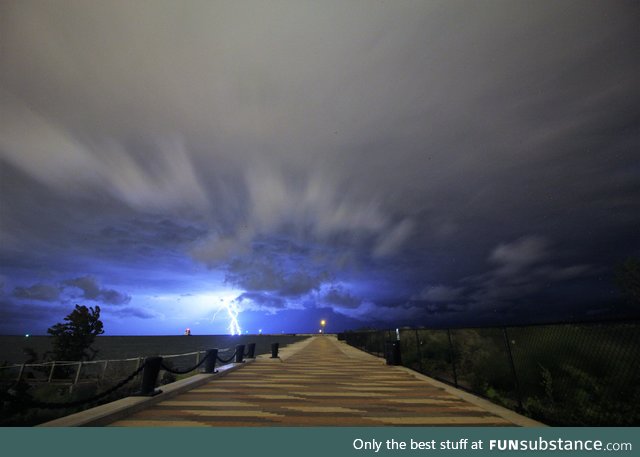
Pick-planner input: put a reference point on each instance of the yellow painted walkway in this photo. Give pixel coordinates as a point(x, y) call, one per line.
point(324, 383)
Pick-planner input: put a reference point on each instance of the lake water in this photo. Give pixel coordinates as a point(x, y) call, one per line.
point(121, 347)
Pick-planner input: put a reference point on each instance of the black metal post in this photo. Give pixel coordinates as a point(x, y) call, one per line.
point(251, 351)
point(452, 354)
point(239, 353)
point(274, 350)
point(392, 353)
point(513, 368)
point(150, 377)
point(210, 363)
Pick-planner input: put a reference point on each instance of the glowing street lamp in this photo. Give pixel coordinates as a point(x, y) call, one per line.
point(322, 324)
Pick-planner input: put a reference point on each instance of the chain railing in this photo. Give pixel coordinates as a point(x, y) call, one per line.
point(230, 358)
point(150, 368)
point(74, 372)
point(579, 374)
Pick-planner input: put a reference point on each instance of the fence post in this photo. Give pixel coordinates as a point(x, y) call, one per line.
point(104, 370)
point(239, 353)
point(53, 367)
point(452, 354)
point(419, 351)
point(210, 363)
point(251, 351)
point(20, 372)
point(149, 377)
point(393, 353)
point(513, 368)
point(197, 357)
point(274, 350)
point(77, 378)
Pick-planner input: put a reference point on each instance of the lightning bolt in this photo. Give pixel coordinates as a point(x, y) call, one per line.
point(231, 307)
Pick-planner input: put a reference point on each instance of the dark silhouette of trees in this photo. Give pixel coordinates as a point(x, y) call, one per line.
point(72, 339)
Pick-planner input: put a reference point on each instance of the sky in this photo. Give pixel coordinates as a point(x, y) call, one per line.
point(371, 163)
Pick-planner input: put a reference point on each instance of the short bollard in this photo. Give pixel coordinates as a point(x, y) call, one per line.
point(274, 350)
point(149, 377)
point(251, 351)
point(210, 363)
point(239, 353)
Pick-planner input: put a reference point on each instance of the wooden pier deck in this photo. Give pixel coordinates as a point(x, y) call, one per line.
point(324, 383)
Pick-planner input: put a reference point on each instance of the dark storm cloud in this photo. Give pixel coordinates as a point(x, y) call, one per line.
point(41, 292)
point(261, 301)
point(88, 286)
point(83, 288)
point(137, 240)
point(342, 298)
point(288, 274)
point(153, 232)
point(27, 317)
point(523, 268)
point(134, 312)
point(512, 257)
point(440, 293)
point(91, 290)
point(425, 156)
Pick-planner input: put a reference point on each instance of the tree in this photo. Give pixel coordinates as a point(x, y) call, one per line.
point(72, 339)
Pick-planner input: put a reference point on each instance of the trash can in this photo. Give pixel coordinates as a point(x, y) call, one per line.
point(392, 353)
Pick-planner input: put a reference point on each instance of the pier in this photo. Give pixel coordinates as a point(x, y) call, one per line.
point(322, 382)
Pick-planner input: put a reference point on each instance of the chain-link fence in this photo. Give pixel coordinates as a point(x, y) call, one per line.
point(562, 374)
